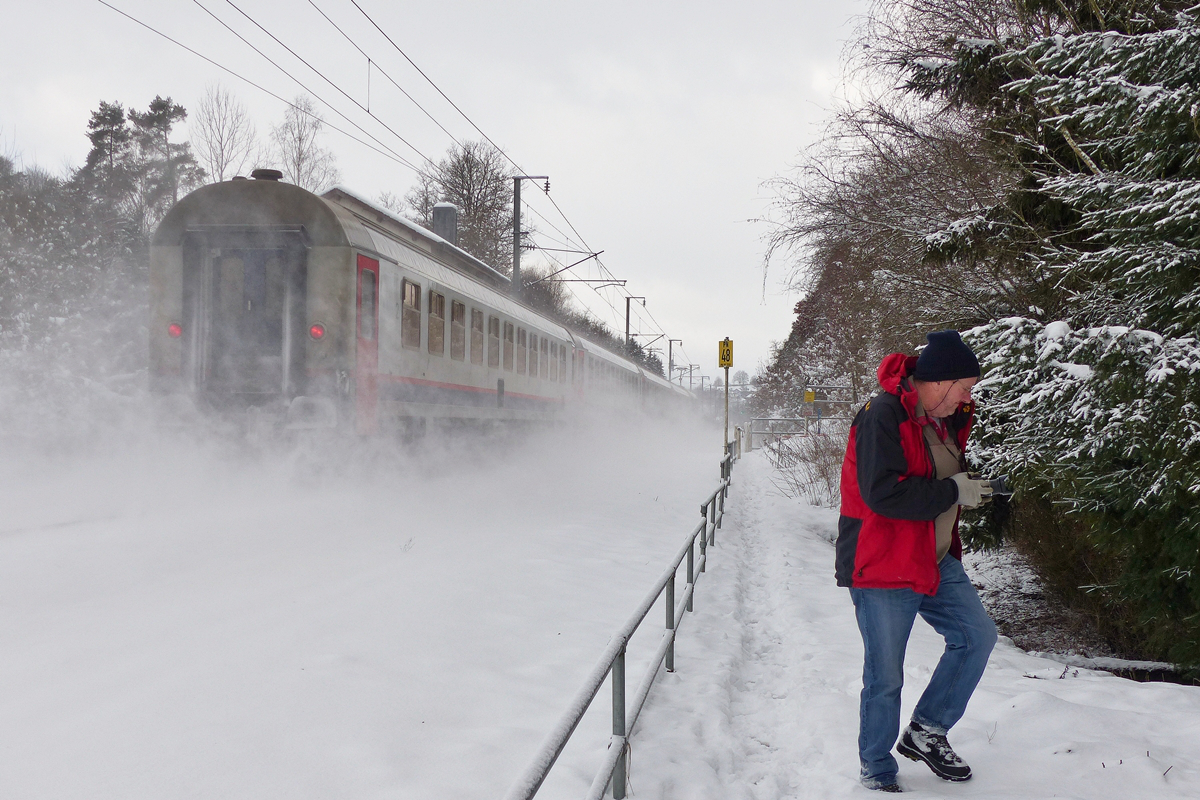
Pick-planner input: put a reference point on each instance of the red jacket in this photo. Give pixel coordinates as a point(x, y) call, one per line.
point(890, 498)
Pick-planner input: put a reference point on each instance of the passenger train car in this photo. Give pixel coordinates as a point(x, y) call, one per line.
point(332, 312)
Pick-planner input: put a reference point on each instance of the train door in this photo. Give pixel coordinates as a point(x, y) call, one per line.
point(367, 350)
point(244, 314)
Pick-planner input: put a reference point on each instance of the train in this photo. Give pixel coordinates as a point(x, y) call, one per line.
point(329, 311)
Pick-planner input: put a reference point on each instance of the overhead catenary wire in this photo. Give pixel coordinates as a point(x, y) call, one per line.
point(363, 108)
point(489, 140)
point(318, 72)
point(541, 216)
point(431, 82)
point(371, 62)
point(574, 238)
point(386, 153)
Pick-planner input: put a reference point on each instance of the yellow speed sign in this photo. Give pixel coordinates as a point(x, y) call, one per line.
point(725, 352)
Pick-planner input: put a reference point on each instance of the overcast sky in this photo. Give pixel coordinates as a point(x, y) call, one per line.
point(658, 122)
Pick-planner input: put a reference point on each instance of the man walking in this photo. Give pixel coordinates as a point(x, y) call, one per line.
point(903, 481)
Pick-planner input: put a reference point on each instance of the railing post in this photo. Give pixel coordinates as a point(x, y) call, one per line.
point(618, 710)
point(703, 537)
point(671, 622)
point(691, 573)
point(712, 521)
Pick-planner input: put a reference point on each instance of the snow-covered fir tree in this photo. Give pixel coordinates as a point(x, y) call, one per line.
point(1093, 402)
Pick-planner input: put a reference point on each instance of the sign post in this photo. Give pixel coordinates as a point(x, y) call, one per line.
point(725, 360)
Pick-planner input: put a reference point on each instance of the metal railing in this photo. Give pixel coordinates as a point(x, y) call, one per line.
point(763, 429)
point(612, 661)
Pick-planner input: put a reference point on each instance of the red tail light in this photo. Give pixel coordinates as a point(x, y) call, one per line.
point(174, 330)
point(317, 331)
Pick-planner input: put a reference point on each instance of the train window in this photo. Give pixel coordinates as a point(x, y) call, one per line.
point(522, 351)
point(562, 363)
point(410, 316)
point(476, 336)
point(366, 313)
point(508, 346)
point(554, 361)
point(437, 323)
point(533, 354)
point(493, 341)
point(545, 358)
point(458, 330)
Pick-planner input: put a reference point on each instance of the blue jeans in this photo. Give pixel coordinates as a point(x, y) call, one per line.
point(885, 619)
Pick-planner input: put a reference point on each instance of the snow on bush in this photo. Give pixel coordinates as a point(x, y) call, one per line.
point(1105, 422)
point(810, 467)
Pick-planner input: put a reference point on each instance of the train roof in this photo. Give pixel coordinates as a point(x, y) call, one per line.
point(596, 351)
point(394, 225)
point(367, 220)
point(666, 384)
point(244, 204)
point(603, 354)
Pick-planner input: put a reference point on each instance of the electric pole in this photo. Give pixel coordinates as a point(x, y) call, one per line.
point(515, 286)
point(628, 344)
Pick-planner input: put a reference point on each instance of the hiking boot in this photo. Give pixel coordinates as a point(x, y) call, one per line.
point(884, 785)
point(922, 744)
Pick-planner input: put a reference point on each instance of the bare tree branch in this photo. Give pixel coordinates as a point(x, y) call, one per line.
point(222, 134)
point(296, 146)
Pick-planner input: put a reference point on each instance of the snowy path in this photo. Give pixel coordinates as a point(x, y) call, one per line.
point(764, 701)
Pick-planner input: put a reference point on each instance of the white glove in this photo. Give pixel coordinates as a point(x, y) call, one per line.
point(971, 491)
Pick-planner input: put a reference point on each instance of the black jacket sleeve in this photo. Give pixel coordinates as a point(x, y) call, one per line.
point(881, 464)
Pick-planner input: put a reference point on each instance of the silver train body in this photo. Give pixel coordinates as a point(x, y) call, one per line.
point(332, 312)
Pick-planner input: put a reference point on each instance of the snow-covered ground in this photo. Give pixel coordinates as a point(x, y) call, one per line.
point(764, 700)
point(177, 621)
point(182, 622)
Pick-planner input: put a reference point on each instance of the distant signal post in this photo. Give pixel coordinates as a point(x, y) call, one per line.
point(725, 360)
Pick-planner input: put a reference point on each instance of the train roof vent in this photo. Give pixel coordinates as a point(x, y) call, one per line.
point(266, 175)
point(445, 222)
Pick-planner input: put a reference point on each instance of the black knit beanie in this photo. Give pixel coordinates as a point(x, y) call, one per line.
point(946, 358)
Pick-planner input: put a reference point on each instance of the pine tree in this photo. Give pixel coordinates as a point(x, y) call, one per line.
point(1093, 404)
point(107, 172)
point(133, 167)
point(161, 168)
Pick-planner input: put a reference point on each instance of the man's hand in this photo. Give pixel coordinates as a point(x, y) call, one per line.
point(971, 491)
